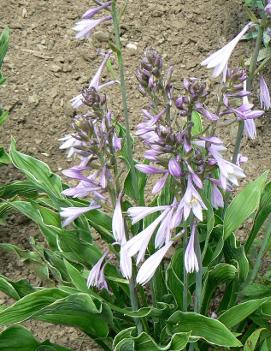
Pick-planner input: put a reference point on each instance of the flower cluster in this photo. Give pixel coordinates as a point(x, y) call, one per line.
point(96, 143)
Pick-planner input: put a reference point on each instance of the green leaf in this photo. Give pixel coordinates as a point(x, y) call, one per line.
point(221, 273)
point(78, 310)
point(47, 346)
point(76, 278)
point(261, 216)
point(4, 158)
point(197, 123)
point(4, 39)
point(252, 340)
point(243, 205)
point(18, 188)
point(211, 330)
point(238, 313)
point(235, 253)
point(17, 338)
point(29, 305)
point(3, 116)
point(37, 171)
point(126, 340)
point(7, 288)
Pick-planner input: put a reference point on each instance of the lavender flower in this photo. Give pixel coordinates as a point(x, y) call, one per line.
point(190, 257)
point(139, 243)
point(267, 9)
point(216, 197)
point(71, 213)
point(140, 212)
point(85, 27)
point(69, 144)
point(149, 267)
point(229, 172)
point(96, 275)
point(93, 11)
point(264, 91)
point(219, 60)
point(118, 228)
point(192, 201)
point(174, 168)
point(78, 100)
point(125, 263)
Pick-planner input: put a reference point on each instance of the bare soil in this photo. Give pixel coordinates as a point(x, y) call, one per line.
point(46, 67)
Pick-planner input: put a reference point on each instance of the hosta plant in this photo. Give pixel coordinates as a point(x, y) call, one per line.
point(143, 252)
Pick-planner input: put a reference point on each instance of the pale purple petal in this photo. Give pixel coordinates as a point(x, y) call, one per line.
point(118, 227)
point(250, 128)
point(71, 213)
point(264, 94)
point(149, 267)
point(140, 212)
point(190, 258)
point(125, 263)
point(158, 186)
point(219, 60)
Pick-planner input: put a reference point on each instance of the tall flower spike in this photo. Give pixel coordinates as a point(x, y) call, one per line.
point(149, 267)
point(219, 59)
point(190, 257)
point(264, 94)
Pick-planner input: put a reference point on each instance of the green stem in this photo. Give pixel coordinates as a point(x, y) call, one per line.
point(124, 97)
point(134, 303)
point(251, 75)
point(263, 249)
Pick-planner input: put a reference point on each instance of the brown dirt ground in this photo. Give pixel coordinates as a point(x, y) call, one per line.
point(46, 67)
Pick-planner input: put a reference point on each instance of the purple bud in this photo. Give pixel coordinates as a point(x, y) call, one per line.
point(174, 168)
point(149, 169)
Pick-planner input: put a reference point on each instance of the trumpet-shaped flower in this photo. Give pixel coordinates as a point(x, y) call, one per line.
point(190, 257)
point(85, 27)
point(125, 263)
point(219, 59)
point(140, 212)
point(118, 228)
point(216, 197)
point(69, 143)
point(149, 267)
point(264, 93)
point(250, 128)
point(139, 243)
point(71, 213)
point(96, 275)
point(192, 201)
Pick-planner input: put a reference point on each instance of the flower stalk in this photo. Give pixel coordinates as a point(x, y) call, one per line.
point(124, 96)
